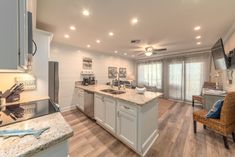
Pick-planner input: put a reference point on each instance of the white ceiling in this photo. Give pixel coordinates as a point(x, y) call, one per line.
point(162, 23)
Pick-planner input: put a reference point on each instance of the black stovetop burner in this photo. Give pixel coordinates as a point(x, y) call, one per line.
point(25, 111)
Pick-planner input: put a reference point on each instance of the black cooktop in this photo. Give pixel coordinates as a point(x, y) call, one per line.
point(20, 112)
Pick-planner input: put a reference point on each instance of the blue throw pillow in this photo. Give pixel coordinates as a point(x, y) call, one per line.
point(216, 109)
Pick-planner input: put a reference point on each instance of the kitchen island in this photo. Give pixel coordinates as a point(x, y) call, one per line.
point(52, 142)
point(130, 117)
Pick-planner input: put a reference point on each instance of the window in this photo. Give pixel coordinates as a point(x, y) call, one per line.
point(150, 74)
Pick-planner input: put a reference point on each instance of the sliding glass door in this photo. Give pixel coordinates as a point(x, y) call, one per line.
point(196, 72)
point(179, 78)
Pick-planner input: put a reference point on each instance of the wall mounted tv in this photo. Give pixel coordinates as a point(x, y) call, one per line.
point(219, 56)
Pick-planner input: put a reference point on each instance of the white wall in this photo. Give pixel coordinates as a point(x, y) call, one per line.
point(40, 69)
point(229, 44)
point(70, 66)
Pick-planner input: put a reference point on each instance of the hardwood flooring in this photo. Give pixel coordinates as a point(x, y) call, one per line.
point(176, 137)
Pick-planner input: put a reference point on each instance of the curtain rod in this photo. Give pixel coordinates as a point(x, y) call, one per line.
point(188, 53)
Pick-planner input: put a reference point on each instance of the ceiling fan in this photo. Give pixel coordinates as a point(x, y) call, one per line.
point(150, 50)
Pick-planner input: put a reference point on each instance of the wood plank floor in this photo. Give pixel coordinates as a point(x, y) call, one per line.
point(176, 138)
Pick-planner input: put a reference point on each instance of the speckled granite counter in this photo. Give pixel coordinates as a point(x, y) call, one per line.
point(28, 145)
point(130, 95)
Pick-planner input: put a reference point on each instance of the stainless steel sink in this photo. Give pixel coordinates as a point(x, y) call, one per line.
point(112, 91)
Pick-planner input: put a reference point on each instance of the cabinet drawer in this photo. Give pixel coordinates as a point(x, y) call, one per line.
point(127, 108)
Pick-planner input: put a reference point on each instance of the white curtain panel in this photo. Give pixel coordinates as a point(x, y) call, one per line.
point(175, 83)
point(197, 71)
point(174, 78)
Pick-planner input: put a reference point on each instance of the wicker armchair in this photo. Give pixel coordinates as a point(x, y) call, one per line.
point(225, 125)
point(199, 98)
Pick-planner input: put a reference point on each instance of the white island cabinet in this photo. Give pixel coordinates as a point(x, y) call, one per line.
point(129, 116)
point(133, 124)
point(105, 112)
point(127, 123)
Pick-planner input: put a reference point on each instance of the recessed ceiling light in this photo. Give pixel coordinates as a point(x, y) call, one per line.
point(111, 34)
point(197, 28)
point(116, 51)
point(199, 43)
point(134, 21)
point(85, 12)
point(125, 54)
point(198, 37)
point(66, 36)
point(72, 28)
point(88, 46)
point(97, 41)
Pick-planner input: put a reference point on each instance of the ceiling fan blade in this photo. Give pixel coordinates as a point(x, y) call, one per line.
point(138, 51)
point(140, 54)
point(162, 49)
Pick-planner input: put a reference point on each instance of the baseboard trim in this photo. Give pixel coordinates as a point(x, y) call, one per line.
point(67, 108)
point(149, 142)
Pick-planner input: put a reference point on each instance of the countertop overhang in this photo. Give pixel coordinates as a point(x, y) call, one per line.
point(29, 145)
point(130, 95)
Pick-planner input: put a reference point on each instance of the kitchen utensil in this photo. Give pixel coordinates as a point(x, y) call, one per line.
point(21, 133)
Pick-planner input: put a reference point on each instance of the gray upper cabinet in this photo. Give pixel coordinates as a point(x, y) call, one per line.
point(13, 34)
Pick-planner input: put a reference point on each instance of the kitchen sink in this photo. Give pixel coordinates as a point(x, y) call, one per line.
point(112, 91)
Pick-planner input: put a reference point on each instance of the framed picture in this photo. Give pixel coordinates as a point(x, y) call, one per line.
point(112, 72)
point(122, 72)
point(87, 63)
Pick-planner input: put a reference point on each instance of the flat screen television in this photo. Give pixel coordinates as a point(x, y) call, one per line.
point(219, 56)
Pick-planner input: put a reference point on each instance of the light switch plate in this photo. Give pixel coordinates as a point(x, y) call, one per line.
point(30, 83)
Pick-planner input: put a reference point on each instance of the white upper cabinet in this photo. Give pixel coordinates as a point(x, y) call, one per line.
point(13, 34)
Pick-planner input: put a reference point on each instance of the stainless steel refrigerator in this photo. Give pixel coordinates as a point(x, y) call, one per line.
point(53, 81)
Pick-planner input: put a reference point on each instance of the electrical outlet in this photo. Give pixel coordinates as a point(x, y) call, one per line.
point(30, 83)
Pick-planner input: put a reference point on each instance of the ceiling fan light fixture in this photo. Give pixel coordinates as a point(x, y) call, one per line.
point(148, 53)
point(149, 49)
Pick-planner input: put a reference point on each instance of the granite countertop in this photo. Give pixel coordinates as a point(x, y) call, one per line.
point(130, 95)
point(29, 145)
